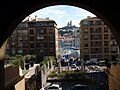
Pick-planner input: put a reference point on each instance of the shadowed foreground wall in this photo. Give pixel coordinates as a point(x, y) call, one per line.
point(13, 80)
point(114, 77)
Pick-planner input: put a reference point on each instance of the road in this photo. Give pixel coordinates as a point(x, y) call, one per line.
point(100, 78)
point(92, 71)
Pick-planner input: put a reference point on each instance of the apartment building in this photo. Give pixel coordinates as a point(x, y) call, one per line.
point(96, 40)
point(35, 37)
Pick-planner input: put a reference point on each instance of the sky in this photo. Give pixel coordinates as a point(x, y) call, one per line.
point(62, 14)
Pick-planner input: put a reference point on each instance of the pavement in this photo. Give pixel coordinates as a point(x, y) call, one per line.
point(47, 84)
point(31, 71)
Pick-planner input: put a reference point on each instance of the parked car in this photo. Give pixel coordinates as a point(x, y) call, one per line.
point(73, 65)
point(79, 87)
point(54, 87)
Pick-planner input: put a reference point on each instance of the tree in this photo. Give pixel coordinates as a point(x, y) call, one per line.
point(17, 60)
point(27, 58)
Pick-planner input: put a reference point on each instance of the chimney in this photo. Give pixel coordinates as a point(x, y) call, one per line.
point(35, 17)
point(88, 17)
point(47, 18)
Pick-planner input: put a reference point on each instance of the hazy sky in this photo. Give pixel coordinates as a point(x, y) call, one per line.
point(62, 14)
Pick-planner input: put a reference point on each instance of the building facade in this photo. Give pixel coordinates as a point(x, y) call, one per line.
point(96, 40)
point(35, 37)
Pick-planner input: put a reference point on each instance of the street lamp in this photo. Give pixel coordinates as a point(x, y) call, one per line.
point(82, 66)
point(59, 63)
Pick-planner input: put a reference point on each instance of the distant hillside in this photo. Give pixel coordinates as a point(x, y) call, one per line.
point(67, 27)
point(64, 32)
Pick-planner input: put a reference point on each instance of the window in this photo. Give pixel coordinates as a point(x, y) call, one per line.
point(31, 38)
point(105, 50)
point(19, 32)
point(95, 50)
point(51, 38)
point(113, 43)
point(85, 23)
point(51, 45)
point(96, 37)
point(31, 45)
point(99, 22)
point(105, 43)
point(32, 51)
point(31, 32)
point(24, 24)
point(86, 56)
point(95, 30)
point(51, 31)
point(40, 31)
point(20, 39)
point(98, 30)
point(85, 37)
point(45, 45)
point(13, 39)
point(25, 38)
point(85, 30)
point(105, 29)
point(114, 49)
point(13, 43)
point(25, 32)
point(85, 43)
point(41, 44)
point(86, 51)
point(105, 36)
point(91, 22)
point(13, 51)
point(25, 45)
point(41, 51)
point(20, 51)
point(20, 44)
point(51, 24)
point(8, 46)
point(40, 37)
point(95, 43)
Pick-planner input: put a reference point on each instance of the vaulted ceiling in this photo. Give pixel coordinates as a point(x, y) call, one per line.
point(12, 12)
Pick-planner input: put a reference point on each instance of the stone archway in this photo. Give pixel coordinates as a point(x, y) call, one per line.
point(18, 10)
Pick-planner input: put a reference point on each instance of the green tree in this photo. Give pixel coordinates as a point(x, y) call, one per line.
point(17, 60)
point(27, 58)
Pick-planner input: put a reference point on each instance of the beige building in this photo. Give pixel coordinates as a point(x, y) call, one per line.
point(35, 37)
point(96, 40)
